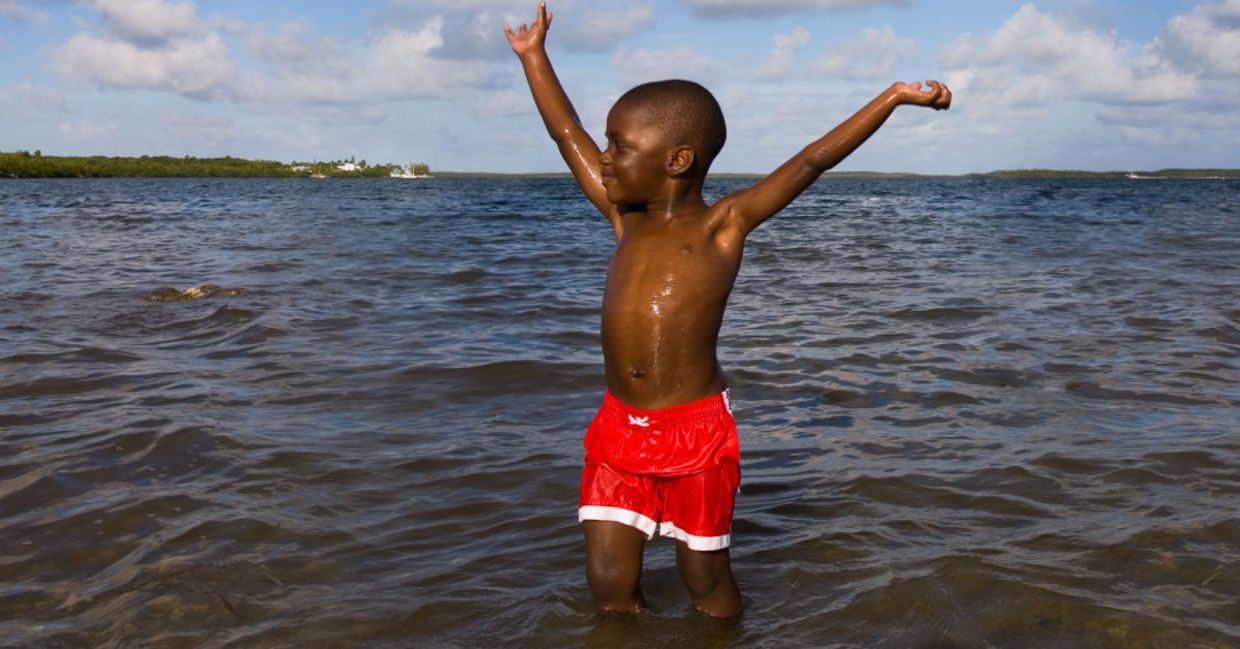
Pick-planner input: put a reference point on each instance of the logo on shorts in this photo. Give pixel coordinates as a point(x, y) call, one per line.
point(644, 422)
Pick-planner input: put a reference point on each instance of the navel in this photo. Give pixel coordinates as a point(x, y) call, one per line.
point(636, 373)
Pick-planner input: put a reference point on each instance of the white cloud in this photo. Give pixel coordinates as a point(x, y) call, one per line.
point(9, 9)
point(1037, 57)
point(641, 66)
point(876, 55)
point(1206, 40)
point(707, 7)
point(474, 29)
point(149, 21)
point(600, 29)
point(291, 44)
point(1169, 115)
point(401, 65)
point(176, 51)
point(196, 67)
point(509, 102)
point(787, 46)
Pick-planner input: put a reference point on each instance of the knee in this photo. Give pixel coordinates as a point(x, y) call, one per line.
point(613, 584)
point(702, 581)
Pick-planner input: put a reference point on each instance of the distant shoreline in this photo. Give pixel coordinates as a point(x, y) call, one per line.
point(1013, 173)
point(23, 164)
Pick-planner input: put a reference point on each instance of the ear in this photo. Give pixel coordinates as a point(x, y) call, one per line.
point(680, 162)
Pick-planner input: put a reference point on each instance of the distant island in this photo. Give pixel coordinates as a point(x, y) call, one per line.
point(24, 164)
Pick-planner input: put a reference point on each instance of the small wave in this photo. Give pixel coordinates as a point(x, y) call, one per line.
point(504, 377)
point(941, 313)
point(84, 355)
point(1094, 391)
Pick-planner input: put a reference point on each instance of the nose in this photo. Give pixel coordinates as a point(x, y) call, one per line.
point(605, 156)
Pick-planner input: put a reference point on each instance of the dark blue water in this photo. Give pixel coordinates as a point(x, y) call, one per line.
point(973, 412)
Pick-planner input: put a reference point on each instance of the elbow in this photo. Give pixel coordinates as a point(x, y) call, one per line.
point(814, 168)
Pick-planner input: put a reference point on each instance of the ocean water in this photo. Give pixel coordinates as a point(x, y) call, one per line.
point(974, 413)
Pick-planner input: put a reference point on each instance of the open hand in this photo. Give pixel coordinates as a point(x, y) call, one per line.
point(937, 96)
point(531, 38)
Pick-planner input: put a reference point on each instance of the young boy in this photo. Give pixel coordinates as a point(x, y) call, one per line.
point(662, 453)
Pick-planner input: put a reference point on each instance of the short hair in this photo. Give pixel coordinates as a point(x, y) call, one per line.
point(686, 112)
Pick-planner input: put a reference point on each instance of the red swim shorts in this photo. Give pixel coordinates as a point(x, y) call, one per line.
point(673, 470)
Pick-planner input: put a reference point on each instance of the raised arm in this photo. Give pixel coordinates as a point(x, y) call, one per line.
point(578, 149)
point(750, 207)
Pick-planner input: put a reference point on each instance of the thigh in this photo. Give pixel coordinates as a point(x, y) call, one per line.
point(698, 508)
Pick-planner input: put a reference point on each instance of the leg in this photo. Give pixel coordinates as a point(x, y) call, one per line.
point(708, 576)
point(614, 566)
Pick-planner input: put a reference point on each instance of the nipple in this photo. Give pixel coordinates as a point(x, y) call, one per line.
point(686, 250)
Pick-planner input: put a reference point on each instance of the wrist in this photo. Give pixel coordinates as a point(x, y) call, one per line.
point(533, 55)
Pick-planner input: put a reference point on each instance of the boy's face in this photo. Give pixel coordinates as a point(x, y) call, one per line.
point(634, 165)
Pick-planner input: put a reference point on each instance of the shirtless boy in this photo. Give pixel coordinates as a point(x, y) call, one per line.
point(662, 453)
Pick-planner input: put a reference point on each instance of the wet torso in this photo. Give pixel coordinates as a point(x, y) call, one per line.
point(666, 291)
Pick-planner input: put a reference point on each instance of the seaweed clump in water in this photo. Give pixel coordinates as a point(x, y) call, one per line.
point(169, 294)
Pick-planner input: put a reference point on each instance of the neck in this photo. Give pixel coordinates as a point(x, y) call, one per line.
point(679, 196)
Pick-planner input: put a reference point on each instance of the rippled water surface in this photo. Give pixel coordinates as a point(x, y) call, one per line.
point(974, 413)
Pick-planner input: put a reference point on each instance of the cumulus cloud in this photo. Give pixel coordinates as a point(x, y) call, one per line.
point(876, 55)
point(712, 7)
point(167, 47)
point(1206, 40)
point(149, 21)
point(474, 29)
point(401, 65)
point(1037, 57)
point(195, 67)
point(787, 46)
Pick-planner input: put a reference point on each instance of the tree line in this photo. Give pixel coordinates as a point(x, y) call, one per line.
point(24, 164)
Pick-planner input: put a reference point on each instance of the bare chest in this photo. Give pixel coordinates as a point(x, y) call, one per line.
point(660, 271)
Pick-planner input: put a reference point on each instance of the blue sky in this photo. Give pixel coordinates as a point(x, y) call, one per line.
point(1066, 84)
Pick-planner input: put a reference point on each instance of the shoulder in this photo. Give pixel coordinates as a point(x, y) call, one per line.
point(723, 222)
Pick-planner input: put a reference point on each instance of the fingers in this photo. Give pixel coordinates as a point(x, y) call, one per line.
point(941, 98)
point(541, 21)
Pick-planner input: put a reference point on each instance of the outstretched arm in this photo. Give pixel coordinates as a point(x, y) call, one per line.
point(750, 207)
point(578, 149)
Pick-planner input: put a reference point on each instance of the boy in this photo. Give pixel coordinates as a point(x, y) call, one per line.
point(662, 453)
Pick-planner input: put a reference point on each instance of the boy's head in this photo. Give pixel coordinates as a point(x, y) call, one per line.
point(685, 113)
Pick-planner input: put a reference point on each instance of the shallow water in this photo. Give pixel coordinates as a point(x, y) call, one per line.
point(974, 413)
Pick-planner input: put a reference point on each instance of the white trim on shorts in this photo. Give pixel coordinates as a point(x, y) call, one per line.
point(647, 526)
